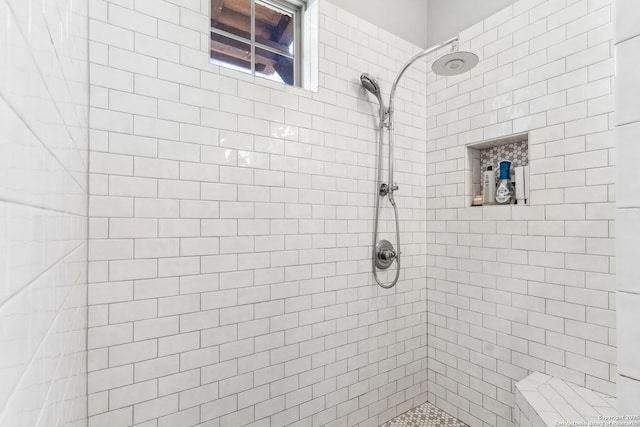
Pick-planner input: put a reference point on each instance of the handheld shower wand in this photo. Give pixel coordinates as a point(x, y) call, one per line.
point(383, 251)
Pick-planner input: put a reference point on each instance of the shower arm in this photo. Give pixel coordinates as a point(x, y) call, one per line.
point(390, 112)
point(453, 41)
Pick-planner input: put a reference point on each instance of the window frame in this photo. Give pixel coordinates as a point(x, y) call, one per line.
point(296, 8)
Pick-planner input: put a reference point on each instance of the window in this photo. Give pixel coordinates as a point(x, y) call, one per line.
point(261, 37)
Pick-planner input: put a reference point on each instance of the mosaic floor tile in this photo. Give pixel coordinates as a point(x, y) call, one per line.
point(425, 415)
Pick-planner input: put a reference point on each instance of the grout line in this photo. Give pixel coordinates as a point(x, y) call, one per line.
point(619, 42)
point(43, 208)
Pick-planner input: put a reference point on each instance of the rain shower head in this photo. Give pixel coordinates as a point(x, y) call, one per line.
point(454, 63)
point(371, 85)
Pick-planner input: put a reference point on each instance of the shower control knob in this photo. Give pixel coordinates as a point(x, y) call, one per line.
point(394, 187)
point(384, 190)
point(385, 254)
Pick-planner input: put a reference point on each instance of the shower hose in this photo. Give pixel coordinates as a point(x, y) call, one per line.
point(378, 207)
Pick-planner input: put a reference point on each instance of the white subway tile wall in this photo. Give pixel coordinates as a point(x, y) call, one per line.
point(627, 39)
point(43, 212)
point(515, 289)
point(231, 227)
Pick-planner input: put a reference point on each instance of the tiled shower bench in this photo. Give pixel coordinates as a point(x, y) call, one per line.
point(542, 400)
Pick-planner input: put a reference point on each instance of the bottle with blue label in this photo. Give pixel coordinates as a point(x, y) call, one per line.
point(505, 191)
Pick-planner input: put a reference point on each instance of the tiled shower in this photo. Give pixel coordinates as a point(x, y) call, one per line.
point(524, 288)
point(229, 260)
point(183, 244)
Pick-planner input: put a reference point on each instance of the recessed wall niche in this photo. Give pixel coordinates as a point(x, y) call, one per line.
point(481, 155)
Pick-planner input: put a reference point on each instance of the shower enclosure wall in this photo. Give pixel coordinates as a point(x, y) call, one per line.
point(627, 204)
point(231, 224)
point(44, 106)
point(515, 289)
point(231, 219)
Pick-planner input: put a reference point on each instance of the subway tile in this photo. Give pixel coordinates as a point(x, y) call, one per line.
point(133, 269)
point(130, 19)
point(106, 336)
point(154, 288)
point(111, 78)
point(109, 378)
point(157, 208)
point(112, 163)
point(157, 48)
point(590, 21)
point(109, 34)
point(157, 88)
point(132, 187)
point(177, 383)
point(131, 103)
point(158, 367)
point(154, 328)
point(156, 168)
point(155, 128)
point(132, 228)
point(106, 206)
point(134, 310)
point(293, 180)
point(130, 353)
point(162, 10)
point(155, 408)
point(132, 145)
point(132, 394)
point(157, 248)
point(124, 60)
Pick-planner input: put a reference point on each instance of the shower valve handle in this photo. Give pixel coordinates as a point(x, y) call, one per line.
point(387, 254)
point(386, 189)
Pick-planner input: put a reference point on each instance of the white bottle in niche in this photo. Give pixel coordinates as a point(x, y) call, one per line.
point(520, 184)
point(489, 186)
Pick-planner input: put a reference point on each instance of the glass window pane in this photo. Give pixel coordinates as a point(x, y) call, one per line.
point(230, 52)
point(274, 27)
point(274, 66)
point(232, 16)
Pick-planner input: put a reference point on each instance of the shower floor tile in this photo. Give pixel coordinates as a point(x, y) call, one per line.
point(425, 415)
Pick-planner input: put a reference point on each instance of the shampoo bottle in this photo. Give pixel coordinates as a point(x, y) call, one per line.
point(504, 192)
point(489, 187)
